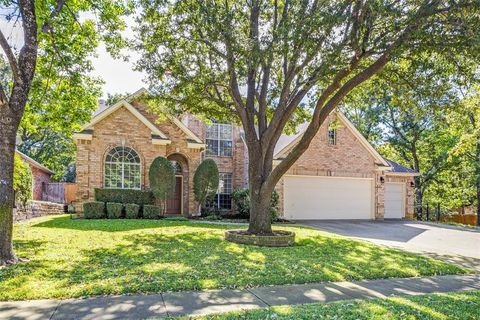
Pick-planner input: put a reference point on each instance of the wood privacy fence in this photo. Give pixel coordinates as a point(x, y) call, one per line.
point(442, 214)
point(59, 192)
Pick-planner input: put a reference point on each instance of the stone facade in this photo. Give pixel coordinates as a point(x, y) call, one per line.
point(349, 157)
point(35, 209)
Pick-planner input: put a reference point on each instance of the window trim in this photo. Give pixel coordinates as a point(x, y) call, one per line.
point(334, 138)
point(216, 200)
point(105, 162)
point(219, 140)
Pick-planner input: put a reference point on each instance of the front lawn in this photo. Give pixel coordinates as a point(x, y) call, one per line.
point(73, 258)
point(459, 305)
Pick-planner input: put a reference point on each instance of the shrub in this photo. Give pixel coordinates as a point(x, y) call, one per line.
point(124, 196)
point(114, 210)
point(241, 200)
point(94, 210)
point(162, 180)
point(176, 219)
point(132, 211)
point(22, 180)
point(205, 182)
point(151, 212)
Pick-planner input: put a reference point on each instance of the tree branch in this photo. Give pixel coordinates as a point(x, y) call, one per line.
point(12, 60)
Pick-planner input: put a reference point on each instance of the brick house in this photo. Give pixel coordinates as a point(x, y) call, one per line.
point(41, 176)
point(341, 176)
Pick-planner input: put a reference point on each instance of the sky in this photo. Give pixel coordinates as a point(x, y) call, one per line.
point(118, 75)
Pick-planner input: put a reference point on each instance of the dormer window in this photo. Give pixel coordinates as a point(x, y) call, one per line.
point(332, 135)
point(219, 139)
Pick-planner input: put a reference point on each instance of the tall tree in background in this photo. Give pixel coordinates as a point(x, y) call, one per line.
point(56, 44)
point(265, 63)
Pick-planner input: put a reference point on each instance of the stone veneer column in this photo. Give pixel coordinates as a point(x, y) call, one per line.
point(380, 197)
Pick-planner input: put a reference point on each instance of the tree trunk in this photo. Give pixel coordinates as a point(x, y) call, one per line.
point(260, 215)
point(260, 195)
point(7, 154)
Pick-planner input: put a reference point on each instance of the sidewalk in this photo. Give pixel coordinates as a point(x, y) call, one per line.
point(206, 302)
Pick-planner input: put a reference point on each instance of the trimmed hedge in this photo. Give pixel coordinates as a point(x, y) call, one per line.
point(132, 211)
point(151, 212)
point(114, 210)
point(124, 196)
point(94, 210)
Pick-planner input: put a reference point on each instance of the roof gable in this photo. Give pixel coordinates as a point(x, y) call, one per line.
point(190, 135)
point(125, 104)
point(293, 140)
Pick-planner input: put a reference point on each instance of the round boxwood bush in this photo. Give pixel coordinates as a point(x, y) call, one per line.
point(132, 211)
point(94, 210)
point(114, 210)
point(151, 212)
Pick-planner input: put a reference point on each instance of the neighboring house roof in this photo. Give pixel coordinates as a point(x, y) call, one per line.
point(34, 163)
point(285, 141)
point(398, 168)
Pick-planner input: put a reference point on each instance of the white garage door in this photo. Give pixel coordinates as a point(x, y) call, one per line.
point(313, 198)
point(394, 200)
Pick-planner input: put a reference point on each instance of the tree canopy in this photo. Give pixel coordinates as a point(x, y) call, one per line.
point(273, 64)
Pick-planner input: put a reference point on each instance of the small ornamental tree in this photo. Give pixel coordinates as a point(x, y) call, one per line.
point(162, 180)
point(22, 181)
point(205, 182)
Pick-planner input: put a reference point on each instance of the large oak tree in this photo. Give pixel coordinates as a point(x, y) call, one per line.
point(267, 64)
point(56, 44)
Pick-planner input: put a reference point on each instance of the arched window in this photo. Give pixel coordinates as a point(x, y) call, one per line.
point(122, 169)
point(177, 167)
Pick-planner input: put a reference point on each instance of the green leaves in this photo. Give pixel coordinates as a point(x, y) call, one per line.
point(205, 181)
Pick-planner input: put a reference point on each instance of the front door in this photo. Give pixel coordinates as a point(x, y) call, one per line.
point(174, 205)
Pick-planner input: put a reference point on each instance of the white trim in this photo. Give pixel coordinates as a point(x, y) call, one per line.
point(334, 177)
point(34, 163)
point(177, 122)
point(192, 145)
point(123, 103)
point(82, 136)
point(362, 139)
point(353, 130)
point(404, 174)
point(161, 142)
point(184, 128)
point(123, 173)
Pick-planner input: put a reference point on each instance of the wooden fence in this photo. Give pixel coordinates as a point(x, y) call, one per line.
point(59, 192)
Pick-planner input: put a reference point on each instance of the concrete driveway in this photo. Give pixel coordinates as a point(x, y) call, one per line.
point(449, 243)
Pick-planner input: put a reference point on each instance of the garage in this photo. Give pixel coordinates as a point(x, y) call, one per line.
point(394, 200)
point(316, 198)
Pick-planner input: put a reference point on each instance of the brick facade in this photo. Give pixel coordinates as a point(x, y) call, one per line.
point(347, 158)
point(40, 179)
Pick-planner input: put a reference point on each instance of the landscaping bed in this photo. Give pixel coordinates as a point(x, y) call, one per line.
point(75, 258)
point(458, 305)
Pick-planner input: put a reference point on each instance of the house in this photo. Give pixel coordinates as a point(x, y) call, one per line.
point(41, 176)
point(341, 176)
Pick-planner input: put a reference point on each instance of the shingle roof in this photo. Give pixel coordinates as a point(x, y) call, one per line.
point(398, 167)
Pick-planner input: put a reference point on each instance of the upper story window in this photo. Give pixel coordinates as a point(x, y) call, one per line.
point(219, 139)
point(332, 135)
point(122, 169)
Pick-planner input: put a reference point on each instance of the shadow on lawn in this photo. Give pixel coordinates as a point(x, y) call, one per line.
point(462, 305)
point(118, 225)
point(203, 260)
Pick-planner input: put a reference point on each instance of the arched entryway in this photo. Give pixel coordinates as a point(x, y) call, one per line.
point(178, 204)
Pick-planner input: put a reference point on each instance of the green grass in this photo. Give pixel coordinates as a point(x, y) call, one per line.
point(74, 258)
point(459, 305)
